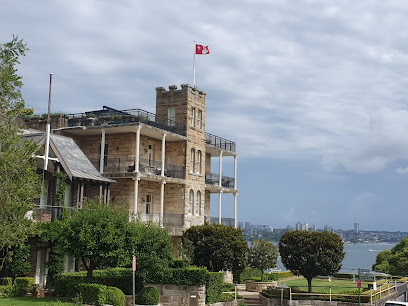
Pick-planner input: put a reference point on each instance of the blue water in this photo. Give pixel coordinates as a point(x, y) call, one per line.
point(357, 256)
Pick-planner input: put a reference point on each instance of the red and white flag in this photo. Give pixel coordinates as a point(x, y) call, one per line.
point(200, 49)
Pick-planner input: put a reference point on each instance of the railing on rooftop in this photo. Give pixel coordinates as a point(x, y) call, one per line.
point(220, 142)
point(109, 116)
point(127, 165)
point(214, 179)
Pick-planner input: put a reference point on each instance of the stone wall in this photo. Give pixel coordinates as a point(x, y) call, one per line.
point(180, 295)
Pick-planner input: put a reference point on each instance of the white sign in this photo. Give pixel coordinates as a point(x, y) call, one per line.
point(375, 286)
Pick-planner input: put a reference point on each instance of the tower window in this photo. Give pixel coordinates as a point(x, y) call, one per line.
point(199, 119)
point(191, 201)
point(192, 161)
point(193, 110)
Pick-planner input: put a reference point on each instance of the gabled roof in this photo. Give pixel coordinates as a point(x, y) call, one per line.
point(72, 159)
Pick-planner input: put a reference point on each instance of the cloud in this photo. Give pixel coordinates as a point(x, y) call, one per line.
point(402, 170)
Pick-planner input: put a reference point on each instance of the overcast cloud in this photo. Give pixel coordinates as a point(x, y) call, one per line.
point(311, 91)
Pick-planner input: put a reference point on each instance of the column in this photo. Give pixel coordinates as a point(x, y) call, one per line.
point(219, 207)
point(235, 210)
point(220, 178)
point(162, 203)
point(108, 196)
point(102, 157)
point(137, 148)
point(81, 199)
point(163, 153)
point(235, 172)
point(136, 192)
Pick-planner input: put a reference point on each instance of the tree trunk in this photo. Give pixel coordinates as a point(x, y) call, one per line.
point(262, 275)
point(309, 284)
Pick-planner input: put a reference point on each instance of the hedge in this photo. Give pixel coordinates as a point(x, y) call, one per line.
point(22, 285)
point(148, 296)
point(214, 285)
point(97, 294)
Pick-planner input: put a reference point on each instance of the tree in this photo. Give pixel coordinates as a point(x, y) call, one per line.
point(19, 183)
point(394, 261)
point(262, 255)
point(101, 236)
point(311, 253)
point(216, 247)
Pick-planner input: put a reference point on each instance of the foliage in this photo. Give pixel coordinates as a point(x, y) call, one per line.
point(50, 233)
point(97, 294)
point(216, 247)
point(214, 287)
point(17, 263)
point(262, 255)
point(311, 253)
point(19, 183)
point(255, 274)
point(394, 261)
point(22, 285)
point(60, 197)
point(148, 296)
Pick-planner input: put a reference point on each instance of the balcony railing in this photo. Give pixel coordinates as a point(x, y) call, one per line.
point(170, 220)
point(224, 221)
point(219, 142)
point(49, 213)
point(108, 116)
point(214, 179)
point(127, 165)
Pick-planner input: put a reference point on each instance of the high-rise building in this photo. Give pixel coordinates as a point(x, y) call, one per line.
point(299, 226)
point(356, 228)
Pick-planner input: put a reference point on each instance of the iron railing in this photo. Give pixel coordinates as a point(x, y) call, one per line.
point(214, 179)
point(127, 165)
point(109, 116)
point(220, 142)
point(50, 213)
point(170, 220)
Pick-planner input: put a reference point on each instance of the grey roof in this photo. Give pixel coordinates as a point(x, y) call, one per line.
point(71, 157)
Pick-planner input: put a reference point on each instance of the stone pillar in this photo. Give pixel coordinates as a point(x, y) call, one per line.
point(137, 149)
point(163, 153)
point(102, 157)
point(235, 210)
point(219, 207)
point(136, 192)
point(162, 203)
point(220, 178)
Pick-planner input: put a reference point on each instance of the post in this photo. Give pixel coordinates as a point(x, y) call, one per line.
point(359, 288)
point(330, 293)
point(281, 297)
point(235, 291)
point(290, 294)
point(134, 276)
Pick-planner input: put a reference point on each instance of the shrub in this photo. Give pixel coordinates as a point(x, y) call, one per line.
point(22, 285)
point(66, 284)
point(93, 293)
point(249, 273)
point(115, 296)
point(179, 263)
point(214, 285)
point(187, 276)
point(148, 296)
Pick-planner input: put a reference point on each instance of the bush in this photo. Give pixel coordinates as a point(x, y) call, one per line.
point(249, 273)
point(215, 281)
point(282, 275)
point(179, 263)
point(148, 296)
point(22, 285)
point(115, 296)
point(93, 294)
point(66, 284)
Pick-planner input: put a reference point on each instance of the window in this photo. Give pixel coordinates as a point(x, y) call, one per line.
point(171, 115)
point(199, 162)
point(44, 194)
point(192, 161)
point(198, 204)
point(191, 201)
point(148, 203)
point(192, 117)
point(199, 119)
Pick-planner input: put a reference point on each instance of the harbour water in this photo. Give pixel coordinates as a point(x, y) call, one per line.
point(361, 255)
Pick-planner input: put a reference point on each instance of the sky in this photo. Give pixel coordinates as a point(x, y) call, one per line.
point(314, 93)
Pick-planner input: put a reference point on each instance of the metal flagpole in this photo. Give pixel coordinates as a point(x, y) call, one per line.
point(194, 64)
point(47, 141)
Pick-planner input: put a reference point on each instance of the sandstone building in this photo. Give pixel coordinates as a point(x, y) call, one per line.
point(161, 162)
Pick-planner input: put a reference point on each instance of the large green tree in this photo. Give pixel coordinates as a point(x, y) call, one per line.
point(311, 253)
point(19, 183)
point(394, 261)
point(101, 236)
point(216, 247)
point(262, 255)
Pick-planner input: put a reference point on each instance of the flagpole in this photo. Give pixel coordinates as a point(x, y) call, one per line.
point(194, 65)
point(48, 128)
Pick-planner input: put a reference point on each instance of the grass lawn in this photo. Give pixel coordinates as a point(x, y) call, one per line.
point(323, 285)
point(26, 301)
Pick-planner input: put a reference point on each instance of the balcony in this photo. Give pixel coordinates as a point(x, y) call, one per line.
point(221, 143)
point(49, 213)
point(214, 179)
point(146, 166)
point(169, 220)
point(109, 116)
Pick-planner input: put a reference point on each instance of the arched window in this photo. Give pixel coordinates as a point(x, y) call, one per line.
point(192, 162)
point(199, 162)
point(191, 200)
point(198, 204)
